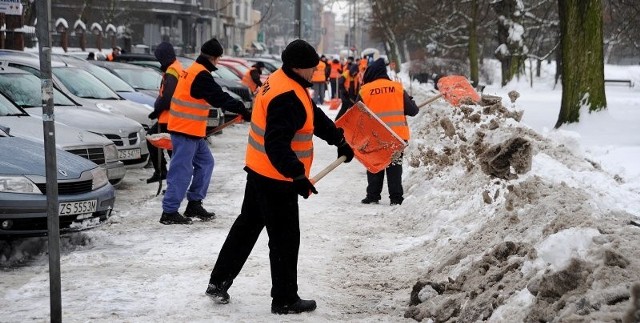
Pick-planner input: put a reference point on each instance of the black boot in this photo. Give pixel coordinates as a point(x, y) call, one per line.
point(368, 200)
point(174, 218)
point(218, 292)
point(156, 177)
point(299, 306)
point(195, 209)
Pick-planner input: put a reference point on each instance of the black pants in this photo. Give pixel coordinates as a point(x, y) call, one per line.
point(159, 166)
point(394, 183)
point(274, 205)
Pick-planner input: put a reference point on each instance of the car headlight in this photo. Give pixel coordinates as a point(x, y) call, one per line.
point(18, 184)
point(106, 107)
point(110, 152)
point(99, 178)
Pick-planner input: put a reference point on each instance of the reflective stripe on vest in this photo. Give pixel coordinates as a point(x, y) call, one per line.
point(385, 98)
point(302, 143)
point(248, 81)
point(174, 69)
point(318, 74)
point(188, 115)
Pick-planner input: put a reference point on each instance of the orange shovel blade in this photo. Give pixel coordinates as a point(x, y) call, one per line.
point(374, 144)
point(456, 89)
point(334, 104)
point(160, 140)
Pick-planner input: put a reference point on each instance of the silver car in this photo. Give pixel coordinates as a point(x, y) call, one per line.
point(85, 197)
point(82, 87)
point(95, 148)
point(126, 134)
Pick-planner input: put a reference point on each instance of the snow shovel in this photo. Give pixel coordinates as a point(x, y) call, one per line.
point(335, 102)
point(163, 140)
point(374, 144)
point(456, 90)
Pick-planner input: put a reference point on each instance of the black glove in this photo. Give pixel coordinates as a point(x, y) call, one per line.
point(345, 150)
point(153, 115)
point(246, 115)
point(303, 186)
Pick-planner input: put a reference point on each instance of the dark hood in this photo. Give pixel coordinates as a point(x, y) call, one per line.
point(376, 70)
point(165, 55)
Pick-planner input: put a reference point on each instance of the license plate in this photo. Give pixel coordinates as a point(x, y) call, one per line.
point(213, 122)
point(79, 207)
point(127, 154)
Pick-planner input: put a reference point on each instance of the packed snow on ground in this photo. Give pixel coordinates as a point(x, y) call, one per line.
point(505, 220)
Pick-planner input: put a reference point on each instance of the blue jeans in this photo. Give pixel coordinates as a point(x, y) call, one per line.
point(189, 171)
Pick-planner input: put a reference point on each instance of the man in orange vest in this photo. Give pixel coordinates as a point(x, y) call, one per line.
point(319, 80)
point(171, 69)
point(114, 53)
point(278, 161)
point(252, 77)
point(388, 100)
point(348, 85)
point(192, 162)
point(334, 75)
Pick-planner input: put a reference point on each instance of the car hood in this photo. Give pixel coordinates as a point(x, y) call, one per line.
point(27, 158)
point(30, 127)
point(91, 120)
point(131, 110)
point(141, 97)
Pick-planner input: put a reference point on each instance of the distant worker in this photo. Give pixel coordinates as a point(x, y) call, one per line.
point(348, 85)
point(334, 75)
point(388, 100)
point(171, 69)
point(319, 81)
point(91, 56)
point(114, 53)
point(252, 77)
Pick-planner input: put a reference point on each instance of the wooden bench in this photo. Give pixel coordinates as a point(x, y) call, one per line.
point(619, 81)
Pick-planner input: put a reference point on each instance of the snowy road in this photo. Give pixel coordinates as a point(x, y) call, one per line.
point(134, 269)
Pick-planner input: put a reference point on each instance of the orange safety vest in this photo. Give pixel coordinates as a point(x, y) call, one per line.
point(348, 80)
point(174, 69)
point(248, 81)
point(318, 74)
point(335, 70)
point(110, 57)
point(188, 115)
point(385, 98)
point(302, 143)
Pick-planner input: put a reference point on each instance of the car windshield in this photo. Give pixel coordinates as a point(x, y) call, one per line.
point(225, 73)
point(8, 109)
point(112, 81)
point(21, 87)
point(83, 84)
point(140, 79)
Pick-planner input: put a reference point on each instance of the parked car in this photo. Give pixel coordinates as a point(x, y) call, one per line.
point(228, 60)
point(270, 64)
point(93, 147)
point(141, 78)
point(232, 85)
point(85, 197)
point(115, 83)
point(128, 135)
point(83, 88)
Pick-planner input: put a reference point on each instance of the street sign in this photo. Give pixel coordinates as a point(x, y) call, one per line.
point(11, 7)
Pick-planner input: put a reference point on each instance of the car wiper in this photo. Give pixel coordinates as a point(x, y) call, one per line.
point(16, 115)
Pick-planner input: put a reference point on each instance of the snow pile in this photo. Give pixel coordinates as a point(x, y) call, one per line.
point(516, 231)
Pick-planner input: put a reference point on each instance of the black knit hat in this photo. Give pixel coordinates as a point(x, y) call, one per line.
point(299, 54)
point(212, 48)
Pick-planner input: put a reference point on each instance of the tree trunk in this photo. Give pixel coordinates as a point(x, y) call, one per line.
point(511, 56)
point(473, 44)
point(583, 58)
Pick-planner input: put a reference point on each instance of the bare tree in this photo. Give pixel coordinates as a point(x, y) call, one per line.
point(582, 57)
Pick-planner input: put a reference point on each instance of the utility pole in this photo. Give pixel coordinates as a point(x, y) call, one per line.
point(53, 222)
point(298, 19)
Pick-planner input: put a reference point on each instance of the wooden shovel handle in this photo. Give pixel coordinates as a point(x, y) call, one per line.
point(328, 169)
point(430, 100)
point(224, 125)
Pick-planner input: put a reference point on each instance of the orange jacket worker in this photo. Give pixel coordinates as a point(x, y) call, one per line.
point(279, 156)
point(388, 100)
point(192, 161)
